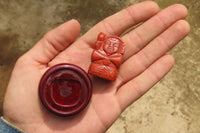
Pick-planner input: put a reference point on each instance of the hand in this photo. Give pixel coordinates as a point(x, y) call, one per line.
point(145, 63)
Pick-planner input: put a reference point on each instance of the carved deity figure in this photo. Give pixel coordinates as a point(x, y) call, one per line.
point(107, 56)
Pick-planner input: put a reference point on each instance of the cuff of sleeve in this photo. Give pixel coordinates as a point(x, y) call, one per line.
point(7, 127)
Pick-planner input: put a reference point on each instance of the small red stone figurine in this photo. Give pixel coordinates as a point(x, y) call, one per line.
point(107, 56)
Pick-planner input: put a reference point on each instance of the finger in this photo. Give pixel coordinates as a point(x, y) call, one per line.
point(139, 37)
point(121, 21)
point(54, 42)
point(154, 50)
point(136, 87)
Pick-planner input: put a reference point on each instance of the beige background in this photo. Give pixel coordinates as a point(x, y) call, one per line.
point(172, 106)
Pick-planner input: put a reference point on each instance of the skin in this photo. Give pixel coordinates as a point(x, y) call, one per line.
point(145, 63)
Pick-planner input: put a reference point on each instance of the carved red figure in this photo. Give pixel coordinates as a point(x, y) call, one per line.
point(107, 56)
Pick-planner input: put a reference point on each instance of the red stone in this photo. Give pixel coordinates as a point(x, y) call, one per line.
point(107, 56)
point(65, 89)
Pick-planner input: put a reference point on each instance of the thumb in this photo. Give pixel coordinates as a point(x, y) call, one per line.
point(54, 42)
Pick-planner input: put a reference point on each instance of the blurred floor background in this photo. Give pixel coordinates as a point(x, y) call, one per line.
point(172, 106)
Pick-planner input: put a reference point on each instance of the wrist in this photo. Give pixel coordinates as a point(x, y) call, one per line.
point(8, 127)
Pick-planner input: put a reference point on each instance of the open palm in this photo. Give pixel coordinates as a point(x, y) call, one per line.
point(145, 63)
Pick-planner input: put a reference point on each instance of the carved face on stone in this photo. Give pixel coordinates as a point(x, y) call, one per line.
point(111, 45)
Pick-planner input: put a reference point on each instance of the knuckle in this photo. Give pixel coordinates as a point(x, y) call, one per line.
point(107, 26)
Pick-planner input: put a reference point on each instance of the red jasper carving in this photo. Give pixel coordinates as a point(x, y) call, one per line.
point(65, 89)
point(107, 56)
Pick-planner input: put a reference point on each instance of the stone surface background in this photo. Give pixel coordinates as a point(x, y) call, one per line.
point(172, 106)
